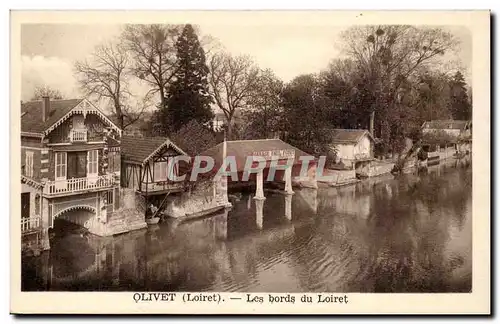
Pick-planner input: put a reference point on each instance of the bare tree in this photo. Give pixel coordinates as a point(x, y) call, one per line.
point(105, 76)
point(46, 91)
point(231, 80)
point(153, 52)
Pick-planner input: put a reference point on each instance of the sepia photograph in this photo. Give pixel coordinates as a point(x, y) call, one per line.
point(193, 157)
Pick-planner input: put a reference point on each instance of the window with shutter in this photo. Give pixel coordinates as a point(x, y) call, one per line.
point(29, 164)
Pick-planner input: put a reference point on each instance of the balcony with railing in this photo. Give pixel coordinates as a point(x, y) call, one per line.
point(78, 135)
point(161, 186)
point(78, 185)
point(362, 156)
point(30, 224)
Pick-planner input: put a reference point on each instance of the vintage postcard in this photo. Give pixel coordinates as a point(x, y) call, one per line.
point(250, 162)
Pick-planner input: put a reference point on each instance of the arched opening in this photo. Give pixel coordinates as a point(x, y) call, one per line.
point(72, 220)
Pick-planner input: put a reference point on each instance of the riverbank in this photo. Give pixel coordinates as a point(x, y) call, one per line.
point(405, 233)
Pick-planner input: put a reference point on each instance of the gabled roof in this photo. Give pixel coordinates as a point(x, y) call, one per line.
point(31, 114)
point(142, 149)
point(32, 122)
point(241, 149)
point(349, 136)
point(447, 124)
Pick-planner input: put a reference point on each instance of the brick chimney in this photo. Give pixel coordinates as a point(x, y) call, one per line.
point(45, 108)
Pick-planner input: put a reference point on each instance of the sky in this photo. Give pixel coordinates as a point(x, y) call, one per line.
point(50, 50)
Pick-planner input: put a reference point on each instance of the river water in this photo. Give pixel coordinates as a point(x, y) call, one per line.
point(408, 233)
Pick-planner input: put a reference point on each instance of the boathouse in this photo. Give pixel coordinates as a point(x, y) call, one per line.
point(270, 150)
point(70, 166)
point(145, 168)
point(150, 167)
point(352, 146)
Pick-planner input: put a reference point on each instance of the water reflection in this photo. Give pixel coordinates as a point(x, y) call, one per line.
point(410, 233)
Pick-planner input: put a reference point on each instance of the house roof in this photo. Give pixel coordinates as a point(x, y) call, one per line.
point(241, 149)
point(141, 149)
point(31, 114)
point(112, 142)
point(447, 124)
point(348, 136)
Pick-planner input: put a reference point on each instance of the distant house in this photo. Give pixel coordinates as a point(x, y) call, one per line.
point(220, 120)
point(455, 128)
point(443, 138)
point(352, 145)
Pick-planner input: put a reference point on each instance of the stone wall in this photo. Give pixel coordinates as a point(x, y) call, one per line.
point(128, 217)
point(338, 177)
point(308, 181)
point(376, 168)
point(203, 199)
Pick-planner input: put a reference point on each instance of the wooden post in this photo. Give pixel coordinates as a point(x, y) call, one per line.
point(259, 193)
point(147, 183)
point(259, 213)
point(288, 207)
point(288, 180)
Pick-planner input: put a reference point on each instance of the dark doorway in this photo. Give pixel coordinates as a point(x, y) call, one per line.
point(25, 205)
point(77, 164)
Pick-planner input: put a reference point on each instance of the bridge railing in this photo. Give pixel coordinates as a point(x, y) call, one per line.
point(30, 223)
point(78, 184)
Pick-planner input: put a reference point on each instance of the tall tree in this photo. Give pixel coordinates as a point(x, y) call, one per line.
point(305, 122)
point(153, 53)
point(104, 75)
point(231, 80)
point(461, 107)
point(264, 111)
point(433, 94)
point(187, 95)
point(46, 91)
point(349, 99)
point(388, 58)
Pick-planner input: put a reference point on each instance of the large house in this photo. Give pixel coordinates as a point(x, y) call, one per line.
point(70, 168)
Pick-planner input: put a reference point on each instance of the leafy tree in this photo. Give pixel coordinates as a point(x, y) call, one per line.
point(348, 95)
point(231, 80)
point(438, 137)
point(304, 112)
point(432, 96)
point(194, 137)
point(264, 112)
point(188, 96)
point(46, 91)
point(461, 107)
